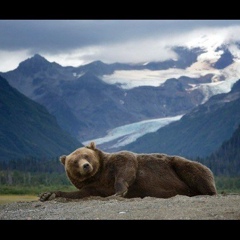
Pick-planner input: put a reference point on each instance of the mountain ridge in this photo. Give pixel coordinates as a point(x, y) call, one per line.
point(27, 128)
point(52, 89)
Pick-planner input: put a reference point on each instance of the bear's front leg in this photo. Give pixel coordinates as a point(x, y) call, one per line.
point(125, 165)
point(121, 187)
point(48, 196)
point(87, 192)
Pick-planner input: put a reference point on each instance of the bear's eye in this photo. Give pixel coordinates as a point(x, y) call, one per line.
point(75, 161)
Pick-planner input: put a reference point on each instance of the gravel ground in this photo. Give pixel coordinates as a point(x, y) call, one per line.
point(219, 207)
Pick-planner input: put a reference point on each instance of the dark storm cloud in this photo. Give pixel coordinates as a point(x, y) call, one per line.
point(60, 35)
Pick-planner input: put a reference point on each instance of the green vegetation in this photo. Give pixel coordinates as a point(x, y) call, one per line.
point(228, 184)
point(33, 190)
point(33, 176)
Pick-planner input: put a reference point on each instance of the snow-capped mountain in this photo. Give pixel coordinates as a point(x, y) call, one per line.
point(228, 68)
point(97, 99)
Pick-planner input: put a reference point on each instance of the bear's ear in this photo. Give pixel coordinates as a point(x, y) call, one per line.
point(92, 146)
point(63, 159)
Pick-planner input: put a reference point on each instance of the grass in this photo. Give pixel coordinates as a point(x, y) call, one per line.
point(33, 190)
point(9, 194)
point(16, 198)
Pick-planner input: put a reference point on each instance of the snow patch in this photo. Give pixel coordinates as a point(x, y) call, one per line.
point(136, 78)
point(77, 75)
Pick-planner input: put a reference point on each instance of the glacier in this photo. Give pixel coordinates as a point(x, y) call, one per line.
point(128, 133)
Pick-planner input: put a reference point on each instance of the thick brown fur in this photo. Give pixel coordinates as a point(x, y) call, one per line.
point(127, 174)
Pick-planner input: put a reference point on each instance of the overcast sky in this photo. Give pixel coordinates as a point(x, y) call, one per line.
point(77, 42)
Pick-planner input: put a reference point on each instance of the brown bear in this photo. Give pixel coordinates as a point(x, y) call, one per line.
point(97, 173)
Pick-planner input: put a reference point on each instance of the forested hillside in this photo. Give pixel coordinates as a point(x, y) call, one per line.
point(226, 160)
point(28, 129)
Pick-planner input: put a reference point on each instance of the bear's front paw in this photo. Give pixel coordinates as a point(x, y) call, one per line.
point(47, 196)
point(114, 197)
point(121, 193)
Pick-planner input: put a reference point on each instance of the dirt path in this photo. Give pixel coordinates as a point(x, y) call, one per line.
point(219, 207)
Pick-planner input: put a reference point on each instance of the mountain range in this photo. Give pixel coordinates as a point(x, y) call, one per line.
point(87, 106)
point(92, 100)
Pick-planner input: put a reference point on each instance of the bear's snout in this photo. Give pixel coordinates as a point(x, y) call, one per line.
point(85, 167)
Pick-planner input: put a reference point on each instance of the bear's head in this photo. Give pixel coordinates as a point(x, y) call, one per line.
point(81, 164)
